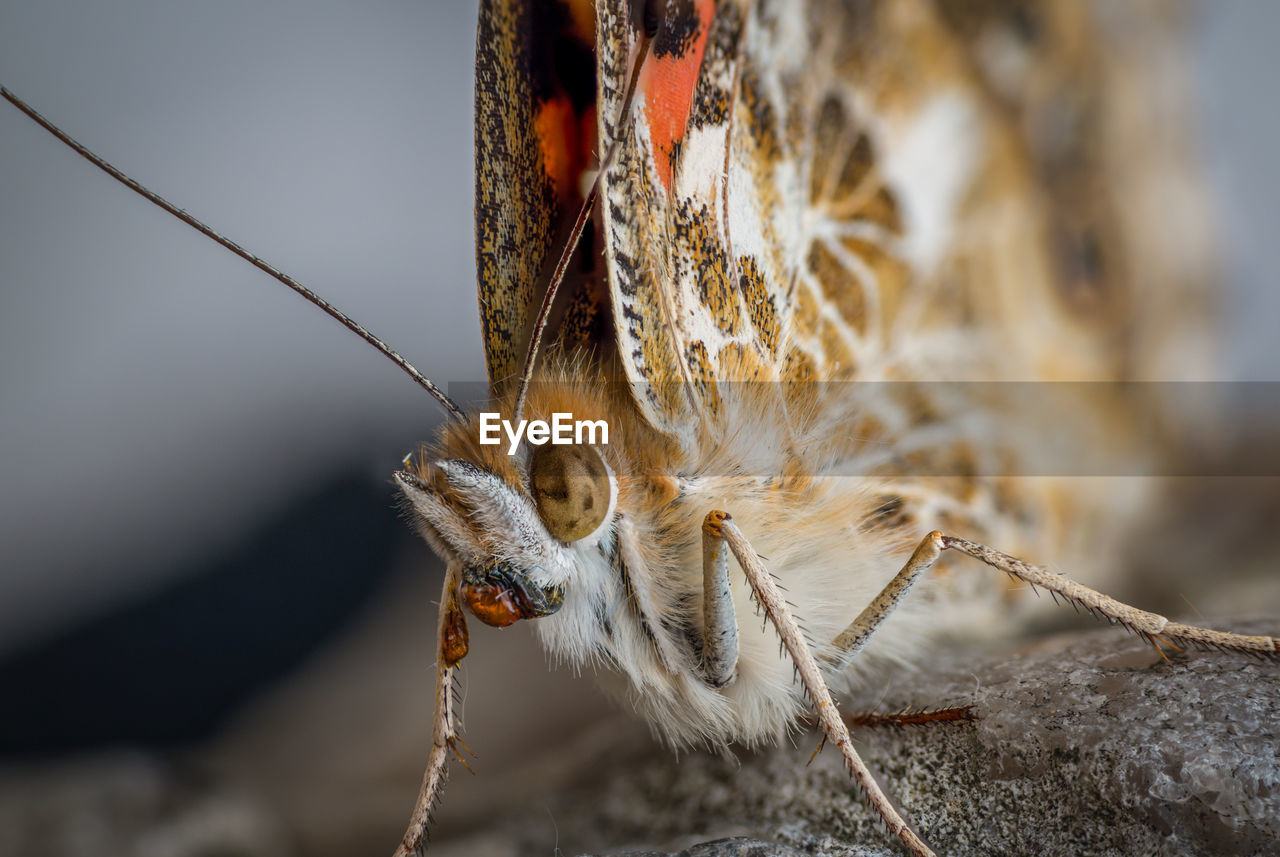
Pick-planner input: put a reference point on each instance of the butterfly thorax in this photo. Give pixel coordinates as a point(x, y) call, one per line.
point(626, 597)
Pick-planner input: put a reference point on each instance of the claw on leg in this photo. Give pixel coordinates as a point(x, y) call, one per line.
point(817, 750)
point(454, 743)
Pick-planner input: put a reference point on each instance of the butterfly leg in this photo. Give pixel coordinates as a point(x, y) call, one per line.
point(719, 664)
point(1154, 627)
point(956, 714)
point(453, 645)
point(720, 526)
point(852, 639)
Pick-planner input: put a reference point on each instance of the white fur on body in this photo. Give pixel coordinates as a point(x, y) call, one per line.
point(828, 579)
point(633, 589)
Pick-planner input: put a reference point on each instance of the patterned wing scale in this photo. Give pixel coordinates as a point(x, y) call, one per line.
point(874, 190)
point(633, 195)
point(535, 137)
point(772, 238)
point(1092, 93)
point(827, 190)
point(687, 310)
point(996, 177)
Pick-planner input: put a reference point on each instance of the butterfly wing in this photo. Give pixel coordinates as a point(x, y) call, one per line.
point(827, 190)
point(685, 312)
point(752, 232)
point(1095, 97)
point(535, 136)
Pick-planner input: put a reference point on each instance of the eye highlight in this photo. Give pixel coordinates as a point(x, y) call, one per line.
point(570, 488)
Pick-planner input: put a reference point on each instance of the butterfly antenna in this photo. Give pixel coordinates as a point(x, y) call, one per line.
point(575, 235)
point(333, 312)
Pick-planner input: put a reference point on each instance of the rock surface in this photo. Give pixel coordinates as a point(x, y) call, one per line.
point(1089, 744)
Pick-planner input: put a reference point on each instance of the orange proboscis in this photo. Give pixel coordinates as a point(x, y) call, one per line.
point(493, 605)
point(454, 642)
point(667, 83)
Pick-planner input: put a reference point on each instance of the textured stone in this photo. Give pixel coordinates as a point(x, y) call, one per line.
point(737, 846)
point(1089, 744)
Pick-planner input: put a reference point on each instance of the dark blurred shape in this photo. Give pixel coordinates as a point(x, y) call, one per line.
point(170, 667)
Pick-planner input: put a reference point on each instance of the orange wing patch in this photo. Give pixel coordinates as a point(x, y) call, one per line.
point(566, 139)
point(669, 78)
point(535, 138)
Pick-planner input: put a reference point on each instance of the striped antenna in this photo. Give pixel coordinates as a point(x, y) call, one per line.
point(345, 320)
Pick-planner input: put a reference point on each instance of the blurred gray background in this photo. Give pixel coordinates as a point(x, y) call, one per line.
point(159, 393)
point(160, 399)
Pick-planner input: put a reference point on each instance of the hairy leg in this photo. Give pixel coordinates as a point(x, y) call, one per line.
point(1154, 627)
point(452, 640)
point(719, 525)
point(719, 656)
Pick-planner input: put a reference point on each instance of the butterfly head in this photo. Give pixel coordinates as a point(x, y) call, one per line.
point(515, 517)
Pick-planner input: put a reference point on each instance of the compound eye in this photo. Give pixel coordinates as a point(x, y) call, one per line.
point(570, 487)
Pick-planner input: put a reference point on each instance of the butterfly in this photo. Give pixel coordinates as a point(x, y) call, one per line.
point(692, 218)
point(788, 194)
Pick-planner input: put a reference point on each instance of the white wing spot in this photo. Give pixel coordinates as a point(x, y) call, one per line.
point(930, 167)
